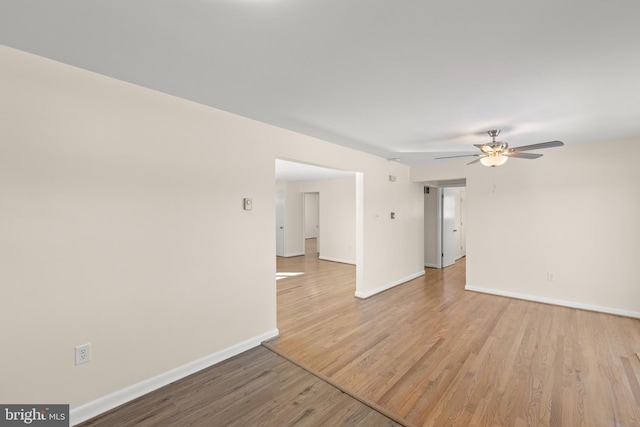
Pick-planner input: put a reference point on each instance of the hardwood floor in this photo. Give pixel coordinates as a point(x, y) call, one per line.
point(436, 355)
point(255, 388)
point(426, 353)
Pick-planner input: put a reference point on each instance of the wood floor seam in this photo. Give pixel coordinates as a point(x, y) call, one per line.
point(340, 387)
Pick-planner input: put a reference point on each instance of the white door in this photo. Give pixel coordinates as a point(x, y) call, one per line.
point(448, 227)
point(280, 222)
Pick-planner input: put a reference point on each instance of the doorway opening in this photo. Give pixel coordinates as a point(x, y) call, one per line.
point(311, 210)
point(444, 223)
point(315, 202)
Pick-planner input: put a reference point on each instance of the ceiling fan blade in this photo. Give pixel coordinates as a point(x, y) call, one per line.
point(452, 157)
point(537, 146)
point(523, 155)
point(473, 161)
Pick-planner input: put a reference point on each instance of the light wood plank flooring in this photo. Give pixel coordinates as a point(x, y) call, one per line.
point(255, 388)
point(436, 355)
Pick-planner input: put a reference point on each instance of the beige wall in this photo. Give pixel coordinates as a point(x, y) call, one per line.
point(391, 244)
point(573, 213)
point(337, 214)
point(312, 215)
point(122, 225)
point(337, 217)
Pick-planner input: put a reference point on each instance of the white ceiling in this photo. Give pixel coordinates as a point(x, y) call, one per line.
point(413, 79)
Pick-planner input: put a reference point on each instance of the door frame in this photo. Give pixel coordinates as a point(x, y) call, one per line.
point(280, 214)
point(438, 187)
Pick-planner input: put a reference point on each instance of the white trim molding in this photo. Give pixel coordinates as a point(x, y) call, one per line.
point(563, 303)
point(342, 261)
point(103, 404)
point(293, 255)
point(431, 265)
point(383, 288)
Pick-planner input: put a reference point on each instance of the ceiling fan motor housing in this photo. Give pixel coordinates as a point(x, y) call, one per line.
point(495, 148)
point(500, 147)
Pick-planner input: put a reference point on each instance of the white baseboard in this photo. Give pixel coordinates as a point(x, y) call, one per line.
point(431, 265)
point(364, 295)
point(292, 255)
point(343, 261)
point(94, 408)
point(563, 303)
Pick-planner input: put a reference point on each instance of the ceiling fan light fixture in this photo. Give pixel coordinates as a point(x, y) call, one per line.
point(496, 153)
point(494, 160)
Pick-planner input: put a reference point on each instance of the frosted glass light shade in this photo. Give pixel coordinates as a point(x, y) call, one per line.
point(493, 160)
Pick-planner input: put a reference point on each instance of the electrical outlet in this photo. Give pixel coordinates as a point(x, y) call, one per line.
point(83, 353)
point(550, 277)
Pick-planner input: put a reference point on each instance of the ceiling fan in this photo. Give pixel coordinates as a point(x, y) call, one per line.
point(497, 153)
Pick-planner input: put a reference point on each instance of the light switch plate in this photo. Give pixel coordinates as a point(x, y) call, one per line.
point(248, 204)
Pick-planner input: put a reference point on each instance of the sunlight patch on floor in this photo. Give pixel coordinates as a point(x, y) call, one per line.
point(283, 275)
